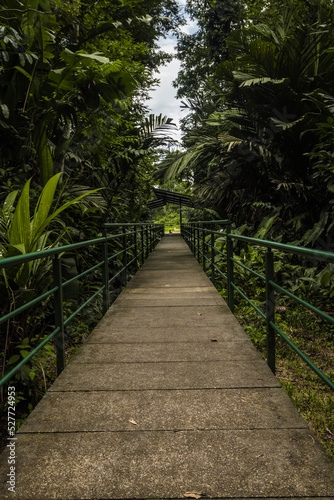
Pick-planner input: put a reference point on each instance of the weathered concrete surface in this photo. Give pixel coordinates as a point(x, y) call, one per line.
point(168, 396)
point(212, 350)
point(182, 410)
point(162, 464)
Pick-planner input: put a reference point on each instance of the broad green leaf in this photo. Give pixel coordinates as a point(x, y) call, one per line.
point(24, 72)
point(313, 234)
point(57, 212)
point(13, 359)
point(4, 110)
point(44, 204)
point(17, 249)
point(19, 231)
point(45, 161)
point(74, 57)
point(8, 205)
point(325, 278)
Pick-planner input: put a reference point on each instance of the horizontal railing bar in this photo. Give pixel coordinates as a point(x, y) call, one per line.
point(115, 275)
point(220, 252)
point(303, 356)
point(116, 254)
point(317, 254)
point(224, 221)
point(249, 269)
point(220, 272)
point(130, 262)
point(303, 302)
point(81, 275)
point(21, 259)
point(113, 236)
point(28, 305)
point(83, 305)
point(144, 224)
point(249, 301)
point(129, 248)
point(30, 355)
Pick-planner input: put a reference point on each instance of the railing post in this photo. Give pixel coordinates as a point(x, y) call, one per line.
point(212, 246)
point(136, 248)
point(270, 310)
point(125, 257)
point(198, 243)
point(203, 248)
point(194, 241)
point(147, 241)
point(105, 274)
point(142, 244)
point(59, 314)
point(230, 269)
point(194, 232)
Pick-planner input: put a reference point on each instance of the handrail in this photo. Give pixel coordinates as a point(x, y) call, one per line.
point(141, 240)
point(196, 234)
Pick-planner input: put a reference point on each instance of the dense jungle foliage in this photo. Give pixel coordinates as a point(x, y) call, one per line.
point(77, 147)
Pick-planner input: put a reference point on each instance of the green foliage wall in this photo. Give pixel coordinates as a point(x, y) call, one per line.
point(259, 132)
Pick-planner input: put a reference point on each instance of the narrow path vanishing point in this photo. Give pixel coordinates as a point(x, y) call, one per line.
point(168, 398)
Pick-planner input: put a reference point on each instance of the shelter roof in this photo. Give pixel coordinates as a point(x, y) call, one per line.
point(163, 197)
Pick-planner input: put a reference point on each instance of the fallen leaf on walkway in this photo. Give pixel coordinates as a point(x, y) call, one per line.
point(199, 314)
point(214, 340)
point(192, 494)
point(133, 422)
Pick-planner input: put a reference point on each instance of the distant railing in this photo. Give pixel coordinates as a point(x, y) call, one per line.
point(137, 240)
point(201, 239)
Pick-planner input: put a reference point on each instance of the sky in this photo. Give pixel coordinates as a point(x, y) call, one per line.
point(163, 99)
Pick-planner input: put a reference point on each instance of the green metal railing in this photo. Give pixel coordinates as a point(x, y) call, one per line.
point(201, 240)
point(136, 242)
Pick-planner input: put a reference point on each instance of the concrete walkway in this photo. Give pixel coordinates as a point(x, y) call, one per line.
point(168, 399)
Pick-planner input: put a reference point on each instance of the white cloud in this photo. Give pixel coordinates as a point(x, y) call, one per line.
point(163, 98)
point(190, 28)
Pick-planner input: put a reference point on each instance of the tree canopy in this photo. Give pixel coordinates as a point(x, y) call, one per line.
point(255, 143)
